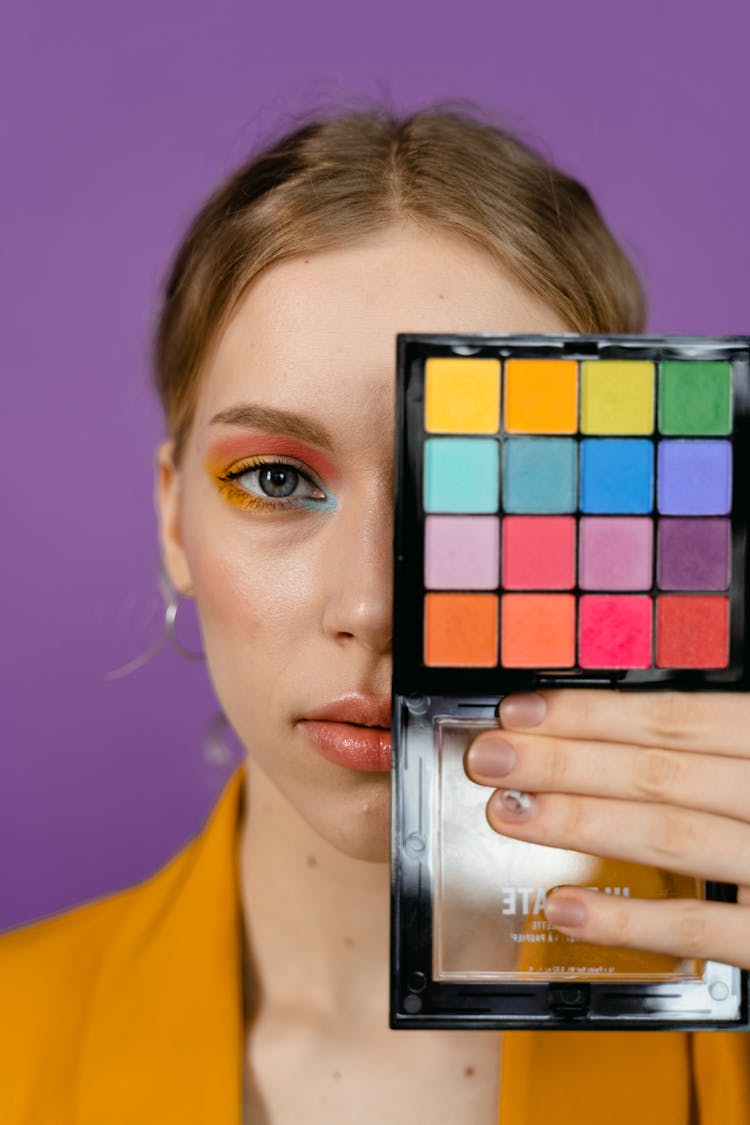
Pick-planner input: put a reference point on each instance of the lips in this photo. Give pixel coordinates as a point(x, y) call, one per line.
point(353, 731)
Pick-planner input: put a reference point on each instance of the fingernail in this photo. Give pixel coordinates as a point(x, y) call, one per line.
point(566, 912)
point(489, 757)
point(514, 804)
point(525, 710)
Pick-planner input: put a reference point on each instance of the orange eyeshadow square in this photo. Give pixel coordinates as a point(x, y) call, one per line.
point(541, 396)
point(538, 631)
point(460, 630)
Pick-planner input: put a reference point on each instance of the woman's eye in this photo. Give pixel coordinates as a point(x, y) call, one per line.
point(276, 481)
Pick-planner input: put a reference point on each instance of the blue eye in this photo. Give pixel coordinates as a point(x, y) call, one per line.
point(278, 480)
point(273, 484)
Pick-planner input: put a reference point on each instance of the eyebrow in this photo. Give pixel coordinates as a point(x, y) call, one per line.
point(249, 416)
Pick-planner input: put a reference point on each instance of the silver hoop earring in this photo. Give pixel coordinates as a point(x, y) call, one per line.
point(170, 618)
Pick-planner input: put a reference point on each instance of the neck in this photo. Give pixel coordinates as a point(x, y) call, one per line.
point(316, 920)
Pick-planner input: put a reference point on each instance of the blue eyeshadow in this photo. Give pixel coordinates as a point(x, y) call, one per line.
point(617, 475)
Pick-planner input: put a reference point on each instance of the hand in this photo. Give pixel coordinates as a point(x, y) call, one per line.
point(659, 778)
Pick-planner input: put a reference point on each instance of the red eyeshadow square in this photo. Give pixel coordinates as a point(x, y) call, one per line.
point(615, 631)
point(460, 630)
point(692, 631)
point(539, 552)
point(538, 631)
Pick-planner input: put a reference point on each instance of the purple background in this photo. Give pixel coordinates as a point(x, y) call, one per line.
point(117, 120)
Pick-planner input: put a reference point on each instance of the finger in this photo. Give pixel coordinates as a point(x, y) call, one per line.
point(687, 928)
point(679, 840)
point(707, 722)
point(547, 765)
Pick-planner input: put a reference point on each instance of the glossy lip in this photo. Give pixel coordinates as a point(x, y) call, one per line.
point(353, 731)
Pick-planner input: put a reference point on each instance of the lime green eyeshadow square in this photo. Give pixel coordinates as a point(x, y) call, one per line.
point(695, 397)
point(617, 397)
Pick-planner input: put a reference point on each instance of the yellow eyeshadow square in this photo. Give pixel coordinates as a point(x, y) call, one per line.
point(617, 397)
point(541, 396)
point(462, 396)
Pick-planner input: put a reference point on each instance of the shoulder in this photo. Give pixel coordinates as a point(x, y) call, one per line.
point(124, 974)
point(191, 872)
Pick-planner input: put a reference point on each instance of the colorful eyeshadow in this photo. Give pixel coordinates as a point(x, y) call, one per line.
point(617, 475)
point(616, 553)
point(462, 396)
point(617, 397)
point(692, 632)
point(539, 553)
point(615, 632)
point(693, 554)
point(695, 397)
point(538, 631)
point(461, 475)
point(462, 552)
point(541, 396)
point(567, 511)
point(460, 630)
point(540, 475)
point(695, 478)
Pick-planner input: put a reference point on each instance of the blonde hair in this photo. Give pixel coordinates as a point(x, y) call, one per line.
point(336, 180)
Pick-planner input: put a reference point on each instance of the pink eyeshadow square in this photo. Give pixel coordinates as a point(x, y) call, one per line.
point(462, 553)
point(539, 552)
point(616, 553)
point(615, 631)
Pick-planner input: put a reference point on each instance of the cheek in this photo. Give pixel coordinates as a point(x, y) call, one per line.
point(259, 599)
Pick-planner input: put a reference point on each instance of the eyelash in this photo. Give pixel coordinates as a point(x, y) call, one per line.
point(249, 501)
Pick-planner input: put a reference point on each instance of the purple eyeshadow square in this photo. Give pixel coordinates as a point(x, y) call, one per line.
point(693, 554)
point(462, 553)
point(616, 553)
point(695, 478)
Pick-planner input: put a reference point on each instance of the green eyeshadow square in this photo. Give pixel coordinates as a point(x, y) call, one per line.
point(695, 397)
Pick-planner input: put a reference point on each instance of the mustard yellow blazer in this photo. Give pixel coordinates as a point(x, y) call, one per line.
point(128, 1011)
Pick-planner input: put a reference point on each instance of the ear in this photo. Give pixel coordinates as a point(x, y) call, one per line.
point(167, 504)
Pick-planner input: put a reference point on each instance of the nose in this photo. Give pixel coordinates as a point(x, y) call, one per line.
point(359, 562)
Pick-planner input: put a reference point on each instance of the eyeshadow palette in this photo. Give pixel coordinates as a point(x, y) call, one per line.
point(570, 511)
point(567, 508)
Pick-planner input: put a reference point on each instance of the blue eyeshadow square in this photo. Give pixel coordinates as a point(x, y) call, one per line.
point(540, 475)
point(461, 475)
point(617, 475)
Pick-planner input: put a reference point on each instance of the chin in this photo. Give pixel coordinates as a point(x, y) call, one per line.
point(358, 824)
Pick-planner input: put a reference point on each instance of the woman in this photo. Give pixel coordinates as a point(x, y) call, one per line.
point(274, 363)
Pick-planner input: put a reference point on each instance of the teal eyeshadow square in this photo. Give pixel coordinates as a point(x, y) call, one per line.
point(695, 398)
point(540, 475)
point(461, 475)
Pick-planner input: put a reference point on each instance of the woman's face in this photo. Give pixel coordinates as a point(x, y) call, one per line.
point(280, 516)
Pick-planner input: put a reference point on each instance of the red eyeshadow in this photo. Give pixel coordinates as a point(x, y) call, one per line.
point(692, 632)
point(258, 444)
